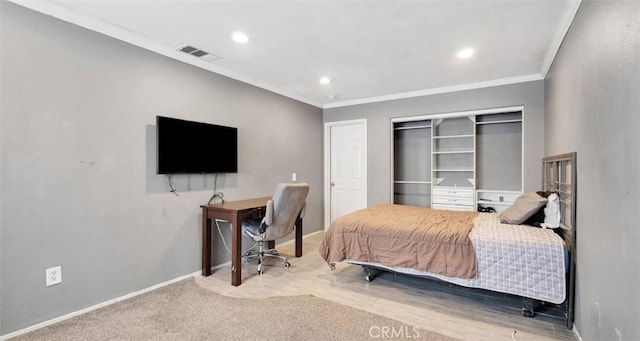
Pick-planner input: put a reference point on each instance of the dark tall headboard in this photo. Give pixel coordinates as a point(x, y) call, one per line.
point(559, 175)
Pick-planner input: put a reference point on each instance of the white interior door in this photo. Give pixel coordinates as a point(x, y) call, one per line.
point(346, 172)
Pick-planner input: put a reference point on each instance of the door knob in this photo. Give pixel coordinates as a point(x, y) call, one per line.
point(333, 184)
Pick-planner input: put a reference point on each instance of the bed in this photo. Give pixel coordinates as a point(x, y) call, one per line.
point(470, 249)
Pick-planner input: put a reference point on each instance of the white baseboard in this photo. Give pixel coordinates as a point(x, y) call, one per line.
point(121, 298)
point(576, 333)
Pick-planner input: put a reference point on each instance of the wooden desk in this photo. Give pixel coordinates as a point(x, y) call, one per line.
point(235, 212)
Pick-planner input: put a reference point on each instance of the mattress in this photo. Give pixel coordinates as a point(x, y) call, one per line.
point(513, 259)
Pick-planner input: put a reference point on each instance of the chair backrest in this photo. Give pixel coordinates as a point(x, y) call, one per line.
point(288, 201)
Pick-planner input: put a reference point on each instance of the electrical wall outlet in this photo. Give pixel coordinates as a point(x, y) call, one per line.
point(294, 177)
point(53, 276)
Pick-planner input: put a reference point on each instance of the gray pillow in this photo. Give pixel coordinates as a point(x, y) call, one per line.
point(525, 206)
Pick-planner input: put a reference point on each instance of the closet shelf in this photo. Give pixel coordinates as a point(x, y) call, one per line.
point(413, 127)
point(499, 121)
point(453, 136)
point(456, 152)
point(453, 170)
point(498, 191)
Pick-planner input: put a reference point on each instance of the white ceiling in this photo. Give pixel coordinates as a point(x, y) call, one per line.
point(372, 50)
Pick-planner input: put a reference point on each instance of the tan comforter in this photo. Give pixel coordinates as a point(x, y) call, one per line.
point(404, 236)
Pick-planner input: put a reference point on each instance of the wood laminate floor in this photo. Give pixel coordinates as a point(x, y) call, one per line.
point(438, 306)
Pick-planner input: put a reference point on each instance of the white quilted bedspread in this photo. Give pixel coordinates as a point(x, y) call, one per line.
point(514, 259)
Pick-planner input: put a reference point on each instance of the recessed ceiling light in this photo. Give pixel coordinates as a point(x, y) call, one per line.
point(239, 37)
point(466, 53)
point(325, 80)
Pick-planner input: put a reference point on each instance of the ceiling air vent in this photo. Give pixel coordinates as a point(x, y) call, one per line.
point(188, 49)
point(194, 51)
point(200, 53)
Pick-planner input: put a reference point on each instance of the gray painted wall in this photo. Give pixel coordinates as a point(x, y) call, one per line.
point(71, 96)
point(379, 115)
point(593, 108)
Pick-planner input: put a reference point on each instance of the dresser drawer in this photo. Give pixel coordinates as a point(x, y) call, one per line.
point(453, 192)
point(453, 200)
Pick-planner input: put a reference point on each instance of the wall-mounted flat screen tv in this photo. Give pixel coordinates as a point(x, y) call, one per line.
point(187, 147)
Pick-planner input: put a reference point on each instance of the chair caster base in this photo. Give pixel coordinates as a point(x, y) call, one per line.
point(253, 257)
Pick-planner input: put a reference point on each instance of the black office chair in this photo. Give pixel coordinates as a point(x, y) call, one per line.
point(282, 212)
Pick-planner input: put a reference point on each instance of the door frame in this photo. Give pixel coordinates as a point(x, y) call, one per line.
point(327, 163)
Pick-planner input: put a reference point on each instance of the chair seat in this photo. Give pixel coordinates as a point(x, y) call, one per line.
point(251, 228)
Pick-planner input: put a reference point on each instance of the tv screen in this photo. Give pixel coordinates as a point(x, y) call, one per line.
point(187, 147)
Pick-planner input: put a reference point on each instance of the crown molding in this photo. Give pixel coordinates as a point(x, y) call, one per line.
point(435, 91)
point(565, 23)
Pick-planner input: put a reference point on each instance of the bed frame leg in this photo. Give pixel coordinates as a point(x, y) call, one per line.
point(369, 273)
point(529, 306)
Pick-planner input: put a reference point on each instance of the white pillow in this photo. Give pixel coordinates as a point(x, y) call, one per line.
point(552, 213)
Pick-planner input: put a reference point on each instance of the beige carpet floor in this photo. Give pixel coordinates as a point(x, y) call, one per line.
point(186, 311)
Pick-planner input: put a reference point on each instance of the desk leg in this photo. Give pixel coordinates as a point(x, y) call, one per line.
point(299, 238)
point(206, 244)
point(236, 251)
